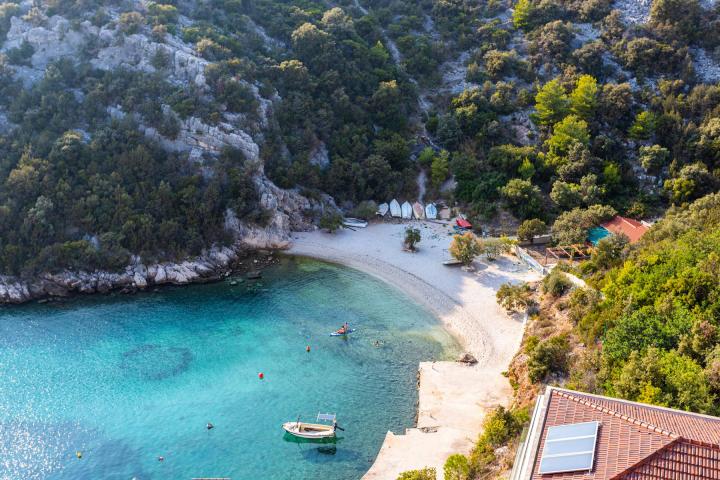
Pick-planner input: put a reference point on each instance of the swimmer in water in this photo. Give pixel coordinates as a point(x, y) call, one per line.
point(210, 426)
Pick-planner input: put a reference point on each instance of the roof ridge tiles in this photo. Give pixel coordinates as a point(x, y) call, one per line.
point(627, 418)
point(647, 459)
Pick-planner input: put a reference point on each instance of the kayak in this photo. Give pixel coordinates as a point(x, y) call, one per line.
point(337, 334)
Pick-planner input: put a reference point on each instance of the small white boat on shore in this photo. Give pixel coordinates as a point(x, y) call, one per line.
point(311, 431)
point(383, 209)
point(452, 262)
point(354, 222)
point(418, 210)
point(395, 209)
point(431, 211)
point(406, 210)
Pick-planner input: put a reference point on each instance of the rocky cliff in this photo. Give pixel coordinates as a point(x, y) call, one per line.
point(289, 211)
point(54, 38)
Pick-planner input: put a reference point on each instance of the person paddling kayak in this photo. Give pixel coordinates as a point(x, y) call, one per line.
point(344, 329)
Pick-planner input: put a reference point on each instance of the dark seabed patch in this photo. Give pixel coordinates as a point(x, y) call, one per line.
point(155, 362)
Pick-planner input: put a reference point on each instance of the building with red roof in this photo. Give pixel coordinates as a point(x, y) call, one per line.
point(632, 229)
point(575, 435)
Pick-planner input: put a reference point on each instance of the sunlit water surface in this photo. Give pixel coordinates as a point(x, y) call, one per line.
point(127, 379)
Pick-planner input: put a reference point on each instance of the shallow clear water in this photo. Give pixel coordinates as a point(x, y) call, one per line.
point(126, 379)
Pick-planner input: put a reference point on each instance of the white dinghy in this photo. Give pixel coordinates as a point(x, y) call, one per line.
point(313, 430)
point(383, 209)
point(354, 222)
point(406, 210)
point(395, 210)
point(431, 211)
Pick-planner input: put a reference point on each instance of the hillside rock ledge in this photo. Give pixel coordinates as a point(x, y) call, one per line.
point(290, 211)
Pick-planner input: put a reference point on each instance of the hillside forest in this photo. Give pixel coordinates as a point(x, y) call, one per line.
point(557, 111)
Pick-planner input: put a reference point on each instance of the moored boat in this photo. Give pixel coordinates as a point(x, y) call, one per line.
point(406, 210)
point(317, 431)
point(342, 334)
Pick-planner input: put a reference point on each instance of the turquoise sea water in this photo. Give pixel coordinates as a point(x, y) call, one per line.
point(126, 379)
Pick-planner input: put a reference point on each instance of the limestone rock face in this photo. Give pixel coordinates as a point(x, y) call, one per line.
point(289, 211)
point(138, 275)
point(196, 136)
point(137, 51)
point(56, 40)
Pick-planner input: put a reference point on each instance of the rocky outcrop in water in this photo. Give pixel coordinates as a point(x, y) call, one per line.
point(289, 211)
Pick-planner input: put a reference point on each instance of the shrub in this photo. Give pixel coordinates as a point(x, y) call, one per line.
point(130, 22)
point(556, 284)
point(412, 237)
point(524, 198)
point(493, 247)
point(499, 427)
point(465, 248)
point(331, 221)
point(21, 55)
point(514, 297)
point(549, 356)
point(422, 474)
point(457, 467)
point(365, 210)
point(530, 228)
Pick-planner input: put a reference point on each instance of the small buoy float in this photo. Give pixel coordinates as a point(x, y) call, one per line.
point(210, 426)
point(78, 454)
point(307, 349)
point(261, 375)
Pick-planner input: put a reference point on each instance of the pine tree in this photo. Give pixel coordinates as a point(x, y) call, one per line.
point(583, 100)
point(522, 14)
point(551, 104)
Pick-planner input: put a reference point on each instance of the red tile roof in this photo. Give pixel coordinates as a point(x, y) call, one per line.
point(633, 229)
point(636, 441)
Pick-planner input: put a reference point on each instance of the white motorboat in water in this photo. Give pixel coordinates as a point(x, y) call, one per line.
point(313, 430)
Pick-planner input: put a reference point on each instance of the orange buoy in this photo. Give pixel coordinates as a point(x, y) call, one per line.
point(261, 375)
point(307, 349)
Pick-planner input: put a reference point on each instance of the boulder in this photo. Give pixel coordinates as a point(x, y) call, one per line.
point(468, 359)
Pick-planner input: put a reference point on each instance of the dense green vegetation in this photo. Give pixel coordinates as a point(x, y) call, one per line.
point(82, 188)
point(656, 326)
point(571, 115)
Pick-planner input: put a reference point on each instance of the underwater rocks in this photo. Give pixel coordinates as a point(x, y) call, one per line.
point(155, 362)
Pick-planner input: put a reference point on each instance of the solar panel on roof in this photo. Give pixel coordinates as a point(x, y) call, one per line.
point(569, 448)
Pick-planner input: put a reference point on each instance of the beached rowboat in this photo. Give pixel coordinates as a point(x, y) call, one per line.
point(406, 210)
point(312, 430)
point(354, 222)
point(395, 209)
point(431, 212)
point(418, 210)
point(383, 209)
